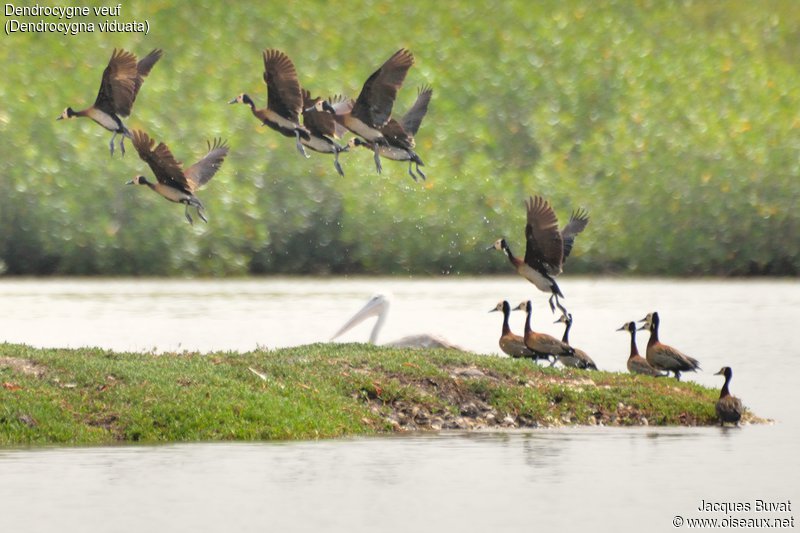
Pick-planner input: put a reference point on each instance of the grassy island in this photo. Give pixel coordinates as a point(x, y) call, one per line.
point(93, 396)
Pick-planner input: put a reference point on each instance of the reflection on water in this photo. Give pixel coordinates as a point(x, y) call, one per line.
point(620, 477)
point(628, 479)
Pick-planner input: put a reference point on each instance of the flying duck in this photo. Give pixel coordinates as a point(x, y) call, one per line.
point(323, 128)
point(373, 107)
point(400, 134)
point(174, 183)
point(122, 79)
point(511, 344)
point(284, 98)
point(729, 407)
point(636, 363)
point(662, 356)
point(542, 344)
point(546, 247)
point(579, 359)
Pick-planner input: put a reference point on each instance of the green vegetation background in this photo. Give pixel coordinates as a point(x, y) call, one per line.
point(676, 124)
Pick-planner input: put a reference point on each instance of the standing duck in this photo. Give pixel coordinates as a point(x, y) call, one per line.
point(542, 344)
point(373, 107)
point(636, 363)
point(323, 128)
point(122, 79)
point(511, 344)
point(284, 98)
point(174, 183)
point(579, 359)
point(546, 247)
point(662, 356)
point(400, 134)
point(729, 407)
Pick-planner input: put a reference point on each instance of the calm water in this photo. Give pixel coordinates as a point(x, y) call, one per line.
point(604, 478)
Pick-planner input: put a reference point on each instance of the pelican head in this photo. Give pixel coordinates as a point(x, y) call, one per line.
point(378, 306)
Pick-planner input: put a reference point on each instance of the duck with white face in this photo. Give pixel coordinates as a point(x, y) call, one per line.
point(546, 247)
point(122, 79)
point(173, 182)
point(663, 356)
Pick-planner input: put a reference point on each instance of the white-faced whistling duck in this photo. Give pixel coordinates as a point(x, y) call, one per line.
point(174, 183)
point(378, 306)
point(579, 359)
point(323, 128)
point(373, 107)
point(122, 79)
point(511, 344)
point(546, 247)
point(284, 99)
point(636, 363)
point(400, 134)
point(665, 357)
point(542, 344)
point(729, 407)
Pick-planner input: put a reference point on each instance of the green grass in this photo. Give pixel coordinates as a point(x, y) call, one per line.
point(93, 396)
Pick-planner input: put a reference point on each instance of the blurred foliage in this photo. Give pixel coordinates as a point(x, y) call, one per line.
point(675, 123)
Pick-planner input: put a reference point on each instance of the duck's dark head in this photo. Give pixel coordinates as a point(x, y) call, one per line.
point(501, 306)
point(138, 180)
point(725, 371)
point(67, 113)
point(628, 326)
point(565, 318)
point(243, 99)
point(499, 244)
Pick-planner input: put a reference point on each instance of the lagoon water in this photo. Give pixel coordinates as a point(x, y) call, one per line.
point(574, 479)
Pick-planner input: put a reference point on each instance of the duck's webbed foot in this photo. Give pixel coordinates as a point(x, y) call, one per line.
point(411, 173)
point(336, 164)
point(561, 308)
point(299, 145)
point(377, 158)
point(421, 174)
point(187, 215)
point(111, 144)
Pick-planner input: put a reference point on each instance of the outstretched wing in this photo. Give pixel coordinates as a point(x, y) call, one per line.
point(544, 241)
point(413, 118)
point(161, 161)
point(374, 103)
point(201, 172)
point(142, 70)
point(283, 87)
point(577, 223)
point(118, 86)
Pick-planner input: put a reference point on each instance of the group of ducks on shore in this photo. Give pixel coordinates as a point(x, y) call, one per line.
point(547, 247)
point(369, 117)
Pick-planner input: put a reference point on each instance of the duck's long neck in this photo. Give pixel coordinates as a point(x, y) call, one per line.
point(653, 334)
point(506, 327)
point(725, 392)
point(528, 322)
point(565, 338)
point(634, 349)
point(509, 254)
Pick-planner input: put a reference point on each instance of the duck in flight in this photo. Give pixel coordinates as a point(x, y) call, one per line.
point(546, 248)
point(173, 182)
point(284, 99)
point(122, 79)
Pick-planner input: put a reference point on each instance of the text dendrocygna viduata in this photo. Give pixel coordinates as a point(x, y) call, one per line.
point(284, 98)
point(579, 359)
point(399, 135)
point(546, 247)
point(662, 356)
point(323, 128)
point(373, 107)
point(636, 363)
point(542, 344)
point(511, 344)
point(174, 183)
point(729, 407)
point(122, 79)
